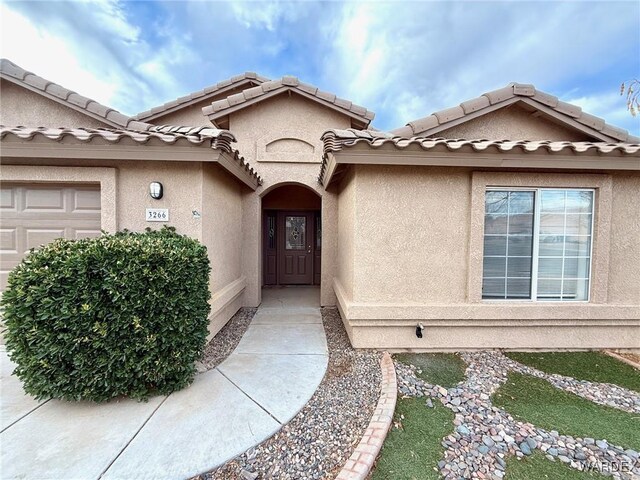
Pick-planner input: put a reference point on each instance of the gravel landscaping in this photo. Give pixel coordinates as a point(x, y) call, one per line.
point(226, 340)
point(317, 442)
point(485, 436)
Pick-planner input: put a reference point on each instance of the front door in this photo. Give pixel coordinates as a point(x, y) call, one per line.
point(295, 248)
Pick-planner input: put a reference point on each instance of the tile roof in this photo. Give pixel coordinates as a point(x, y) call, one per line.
point(164, 135)
point(266, 90)
point(15, 74)
point(439, 120)
point(337, 140)
point(218, 88)
point(167, 134)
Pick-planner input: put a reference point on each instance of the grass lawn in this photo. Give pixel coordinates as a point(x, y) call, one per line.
point(538, 467)
point(591, 366)
point(535, 400)
point(444, 369)
point(413, 452)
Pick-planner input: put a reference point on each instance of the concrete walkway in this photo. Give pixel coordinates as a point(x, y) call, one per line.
point(269, 377)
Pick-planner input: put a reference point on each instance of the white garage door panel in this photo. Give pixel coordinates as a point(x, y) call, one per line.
point(8, 240)
point(7, 199)
point(32, 215)
point(86, 201)
point(47, 199)
point(41, 236)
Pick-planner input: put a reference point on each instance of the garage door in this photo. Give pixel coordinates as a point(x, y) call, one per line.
point(34, 214)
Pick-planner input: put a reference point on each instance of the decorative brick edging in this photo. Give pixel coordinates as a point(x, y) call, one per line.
point(626, 360)
point(362, 458)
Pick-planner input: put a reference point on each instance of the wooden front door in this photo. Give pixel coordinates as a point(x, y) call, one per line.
point(295, 248)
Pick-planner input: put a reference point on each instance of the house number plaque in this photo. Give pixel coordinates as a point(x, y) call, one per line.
point(157, 215)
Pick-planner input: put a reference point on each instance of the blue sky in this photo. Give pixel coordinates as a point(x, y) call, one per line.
point(402, 60)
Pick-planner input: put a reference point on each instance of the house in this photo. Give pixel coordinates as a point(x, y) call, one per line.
point(509, 221)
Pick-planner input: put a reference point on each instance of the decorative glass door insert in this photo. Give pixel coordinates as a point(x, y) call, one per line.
point(295, 230)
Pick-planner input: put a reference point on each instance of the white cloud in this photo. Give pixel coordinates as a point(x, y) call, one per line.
point(407, 60)
point(266, 15)
point(110, 15)
point(50, 57)
point(403, 60)
point(96, 49)
point(361, 66)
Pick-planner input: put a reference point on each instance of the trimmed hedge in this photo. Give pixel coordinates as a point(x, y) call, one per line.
point(122, 314)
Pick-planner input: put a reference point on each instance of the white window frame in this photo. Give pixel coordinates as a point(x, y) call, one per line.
point(536, 243)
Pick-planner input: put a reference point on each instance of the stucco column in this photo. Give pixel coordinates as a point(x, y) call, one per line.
point(251, 248)
point(329, 247)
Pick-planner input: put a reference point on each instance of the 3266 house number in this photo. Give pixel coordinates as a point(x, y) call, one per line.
point(157, 214)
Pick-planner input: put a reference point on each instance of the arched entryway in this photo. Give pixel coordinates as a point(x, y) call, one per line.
point(292, 236)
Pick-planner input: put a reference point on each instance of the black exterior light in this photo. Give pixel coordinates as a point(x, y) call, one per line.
point(155, 190)
point(419, 329)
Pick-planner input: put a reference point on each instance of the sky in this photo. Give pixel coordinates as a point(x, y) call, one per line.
point(403, 60)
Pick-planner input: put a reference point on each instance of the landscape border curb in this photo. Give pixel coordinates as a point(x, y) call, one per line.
point(622, 359)
point(361, 460)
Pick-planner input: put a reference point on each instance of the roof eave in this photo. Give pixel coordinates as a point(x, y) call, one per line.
point(235, 165)
point(70, 148)
point(363, 154)
point(41, 147)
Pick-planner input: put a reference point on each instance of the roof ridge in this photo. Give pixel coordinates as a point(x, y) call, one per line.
point(219, 108)
point(512, 90)
point(18, 75)
point(218, 87)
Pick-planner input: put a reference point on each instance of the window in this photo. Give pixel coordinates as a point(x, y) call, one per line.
point(537, 244)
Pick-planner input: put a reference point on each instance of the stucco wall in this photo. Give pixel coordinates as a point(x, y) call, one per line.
point(405, 218)
point(205, 188)
point(222, 235)
point(222, 224)
point(624, 260)
point(181, 180)
point(273, 117)
point(514, 123)
point(288, 117)
point(19, 106)
point(182, 194)
point(346, 232)
point(411, 250)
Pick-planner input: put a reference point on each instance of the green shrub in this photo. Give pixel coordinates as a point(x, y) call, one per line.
point(122, 314)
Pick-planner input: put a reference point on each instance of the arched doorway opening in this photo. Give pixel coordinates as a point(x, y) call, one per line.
point(292, 236)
